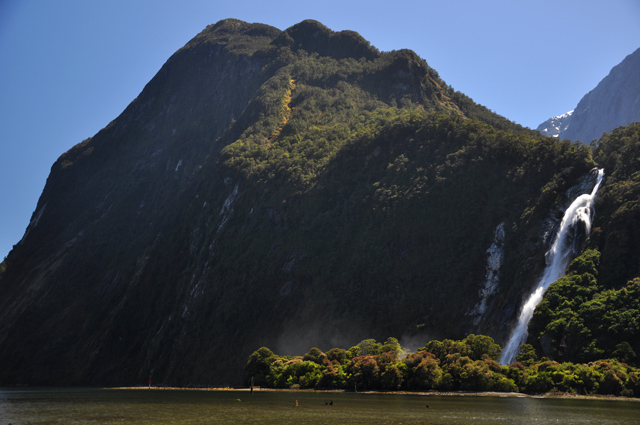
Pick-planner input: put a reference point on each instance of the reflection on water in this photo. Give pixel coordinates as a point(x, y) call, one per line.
point(96, 406)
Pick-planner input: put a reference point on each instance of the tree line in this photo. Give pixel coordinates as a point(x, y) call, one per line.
point(470, 364)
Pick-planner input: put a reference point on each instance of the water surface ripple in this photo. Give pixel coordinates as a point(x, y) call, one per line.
point(181, 407)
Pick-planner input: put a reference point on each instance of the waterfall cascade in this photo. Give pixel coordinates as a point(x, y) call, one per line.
point(577, 218)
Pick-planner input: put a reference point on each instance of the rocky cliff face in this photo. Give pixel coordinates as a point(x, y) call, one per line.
point(108, 206)
point(613, 103)
point(283, 188)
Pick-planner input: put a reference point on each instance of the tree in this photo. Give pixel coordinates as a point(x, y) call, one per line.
point(480, 345)
point(392, 378)
point(538, 383)
point(476, 376)
point(611, 384)
point(315, 355)
point(436, 348)
point(370, 347)
point(338, 355)
point(309, 374)
point(456, 347)
point(391, 344)
point(517, 373)
point(504, 385)
point(624, 353)
point(333, 377)
point(527, 355)
point(259, 367)
point(426, 375)
point(365, 371)
point(353, 352)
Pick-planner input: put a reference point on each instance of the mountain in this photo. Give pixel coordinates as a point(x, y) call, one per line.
point(554, 126)
point(613, 103)
point(289, 189)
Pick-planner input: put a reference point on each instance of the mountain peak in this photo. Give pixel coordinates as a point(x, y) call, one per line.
point(265, 185)
point(555, 125)
point(232, 25)
point(237, 35)
point(314, 37)
point(614, 102)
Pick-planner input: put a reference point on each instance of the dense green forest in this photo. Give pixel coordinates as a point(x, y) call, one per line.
point(469, 364)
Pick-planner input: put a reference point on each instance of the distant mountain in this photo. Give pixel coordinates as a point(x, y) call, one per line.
point(553, 127)
point(290, 189)
point(613, 103)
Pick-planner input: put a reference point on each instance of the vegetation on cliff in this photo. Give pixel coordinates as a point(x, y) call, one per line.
point(594, 312)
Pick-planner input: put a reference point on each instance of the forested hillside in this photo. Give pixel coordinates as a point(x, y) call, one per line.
point(291, 189)
point(594, 312)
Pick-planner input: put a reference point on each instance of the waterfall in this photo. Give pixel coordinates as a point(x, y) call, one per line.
point(576, 218)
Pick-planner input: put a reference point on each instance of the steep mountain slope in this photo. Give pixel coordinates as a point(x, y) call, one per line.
point(594, 312)
point(613, 103)
point(283, 188)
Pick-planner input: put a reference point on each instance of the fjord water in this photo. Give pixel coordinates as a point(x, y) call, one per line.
point(177, 407)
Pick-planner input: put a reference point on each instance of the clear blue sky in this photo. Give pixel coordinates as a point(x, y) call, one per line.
point(67, 68)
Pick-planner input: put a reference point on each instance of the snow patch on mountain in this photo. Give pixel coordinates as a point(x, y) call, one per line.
point(554, 126)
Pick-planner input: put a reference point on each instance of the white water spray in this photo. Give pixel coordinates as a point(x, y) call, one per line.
point(562, 251)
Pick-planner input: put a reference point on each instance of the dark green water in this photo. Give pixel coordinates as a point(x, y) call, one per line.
point(94, 406)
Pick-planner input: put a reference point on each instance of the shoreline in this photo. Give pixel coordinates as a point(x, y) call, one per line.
point(558, 395)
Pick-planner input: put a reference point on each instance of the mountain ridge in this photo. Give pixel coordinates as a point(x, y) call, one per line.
point(613, 103)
